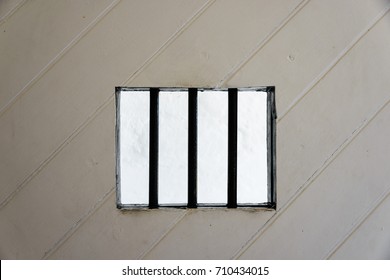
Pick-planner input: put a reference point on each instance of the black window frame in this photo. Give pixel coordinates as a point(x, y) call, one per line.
point(192, 147)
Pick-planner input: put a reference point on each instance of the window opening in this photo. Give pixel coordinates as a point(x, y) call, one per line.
point(195, 147)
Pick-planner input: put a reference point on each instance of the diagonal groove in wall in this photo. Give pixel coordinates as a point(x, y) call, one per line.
point(169, 41)
point(257, 48)
point(169, 229)
point(58, 57)
point(54, 154)
point(311, 85)
point(329, 68)
point(97, 205)
point(84, 124)
point(99, 109)
point(335, 153)
point(69, 233)
point(359, 222)
point(12, 12)
point(261, 44)
point(77, 224)
point(308, 182)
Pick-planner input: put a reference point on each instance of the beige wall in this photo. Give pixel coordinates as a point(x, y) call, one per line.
point(60, 61)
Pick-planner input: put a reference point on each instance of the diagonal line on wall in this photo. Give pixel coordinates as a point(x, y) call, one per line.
point(80, 128)
point(69, 233)
point(12, 11)
point(57, 58)
point(107, 102)
point(169, 41)
point(261, 44)
point(308, 182)
point(358, 223)
point(329, 68)
point(78, 224)
point(169, 229)
point(104, 104)
point(257, 48)
point(53, 154)
point(334, 154)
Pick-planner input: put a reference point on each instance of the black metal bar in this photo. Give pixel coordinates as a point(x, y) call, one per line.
point(192, 146)
point(117, 147)
point(153, 149)
point(232, 148)
point(271, 146)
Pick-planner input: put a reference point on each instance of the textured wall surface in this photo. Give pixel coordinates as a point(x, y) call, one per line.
point(61, 60)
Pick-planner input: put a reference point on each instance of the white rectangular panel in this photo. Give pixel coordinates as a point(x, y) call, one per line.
point(173, 148)
point(134, 147)
point(252, 147)
point(212, 147)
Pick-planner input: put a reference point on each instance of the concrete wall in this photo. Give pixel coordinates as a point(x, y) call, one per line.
point(61, 60)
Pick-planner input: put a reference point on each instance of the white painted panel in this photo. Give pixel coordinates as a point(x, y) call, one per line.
point(252, 147)
point(173, 147)
point(134, 147)
point(212, 146)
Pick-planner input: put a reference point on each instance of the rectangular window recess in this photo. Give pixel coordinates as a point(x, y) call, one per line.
point(195, 147)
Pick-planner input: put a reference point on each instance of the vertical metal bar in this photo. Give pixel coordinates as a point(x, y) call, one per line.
point(232, 148)
point(192, 146)
point(271, 146)
point(153, 149)
point(117, 147)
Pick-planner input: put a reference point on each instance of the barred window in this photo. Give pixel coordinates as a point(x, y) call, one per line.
point(195, 147)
